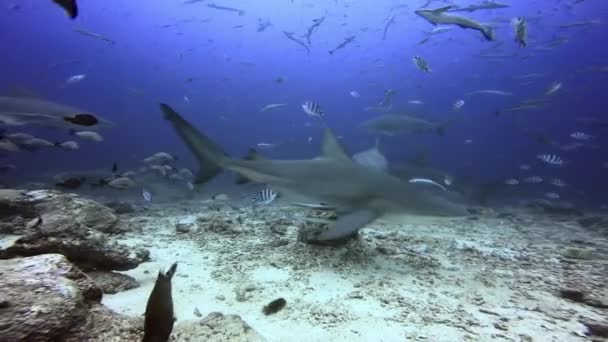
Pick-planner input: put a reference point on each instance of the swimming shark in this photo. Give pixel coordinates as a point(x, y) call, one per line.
point(484, 5)
point(358, 193)
point(438, 16)
point(22, 108)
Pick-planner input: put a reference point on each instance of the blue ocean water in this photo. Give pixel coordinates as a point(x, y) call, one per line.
point(159, 45)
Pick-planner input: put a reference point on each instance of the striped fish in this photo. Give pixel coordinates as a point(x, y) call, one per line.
point(312, 109)
point(265, 197)
point(551, 159)
point(421, 64)
point(146, 195)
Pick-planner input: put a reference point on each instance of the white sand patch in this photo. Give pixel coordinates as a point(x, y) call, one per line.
point(408, 280)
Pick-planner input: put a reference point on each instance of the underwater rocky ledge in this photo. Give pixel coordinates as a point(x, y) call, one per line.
point(60, 253)
point(58, 261)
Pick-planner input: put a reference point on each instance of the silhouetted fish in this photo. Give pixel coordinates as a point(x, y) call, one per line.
point(70, 7)
point(159, 310)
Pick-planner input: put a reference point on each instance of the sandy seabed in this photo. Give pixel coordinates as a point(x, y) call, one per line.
point(489, 277)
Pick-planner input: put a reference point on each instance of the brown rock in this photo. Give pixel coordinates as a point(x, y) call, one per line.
point(44, 296)
point(69, 225)
point(112, 282)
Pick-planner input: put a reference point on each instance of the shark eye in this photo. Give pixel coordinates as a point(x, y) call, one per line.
point(82, 119)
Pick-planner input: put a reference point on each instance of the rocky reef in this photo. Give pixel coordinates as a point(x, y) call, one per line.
point(41, 222)
point(58, 252)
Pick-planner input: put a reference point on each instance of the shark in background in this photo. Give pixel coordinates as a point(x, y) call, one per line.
point(440, 17)
point(359, 194)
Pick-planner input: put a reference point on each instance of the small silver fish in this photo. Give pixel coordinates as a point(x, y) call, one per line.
point(427, 181)
point(581, 136)
point(75, 79)
point(89, 135)
point(121, 183)
point(553, 88)
point(533, 179)
point(458, 104)
point(69, 145)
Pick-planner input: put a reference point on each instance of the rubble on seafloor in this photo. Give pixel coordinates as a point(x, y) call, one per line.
point(514, 275)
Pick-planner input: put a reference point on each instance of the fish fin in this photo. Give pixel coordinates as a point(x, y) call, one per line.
point(348, 224)
point(209, 155)
point(442, 9)
point(331, 147)
point(69, 6)
point(169, 274)
point(488, 32)
point(21, 92)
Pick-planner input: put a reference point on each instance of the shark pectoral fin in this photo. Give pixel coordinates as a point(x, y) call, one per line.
point(348, 224)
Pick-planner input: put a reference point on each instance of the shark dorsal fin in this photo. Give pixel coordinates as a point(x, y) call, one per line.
point(21, 92)
point(442, 9)
point(331, 147)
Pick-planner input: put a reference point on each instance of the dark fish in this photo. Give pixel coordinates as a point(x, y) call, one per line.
point(114, 167)
point(82, 120)
point(159, 310)
point(226, 8)
point(71, 183)
point(274, 306)
point(346, 41)
point(388, 23)
point(70, 7)
point(313, 27)
point(263, 24)
point(290, 36)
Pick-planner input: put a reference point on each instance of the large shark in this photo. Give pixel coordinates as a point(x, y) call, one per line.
point(22, 108)
point(484, 5)
point(360, 194)
point(439, 16)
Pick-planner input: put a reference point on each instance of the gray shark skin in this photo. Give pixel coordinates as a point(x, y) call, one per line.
point(439, 16)
point(23, 111)
point(360, 194)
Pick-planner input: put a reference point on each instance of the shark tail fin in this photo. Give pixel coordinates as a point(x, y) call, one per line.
point(488, 32)
point(210, 156)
